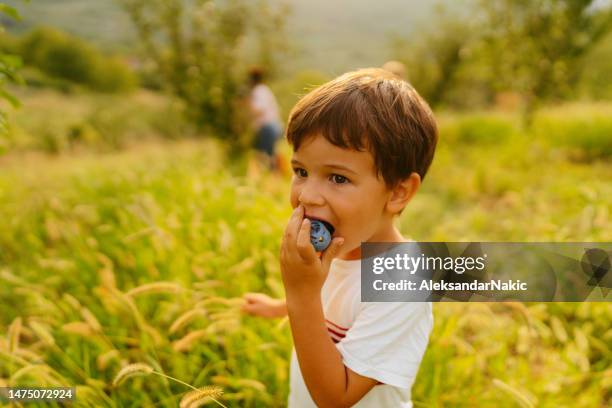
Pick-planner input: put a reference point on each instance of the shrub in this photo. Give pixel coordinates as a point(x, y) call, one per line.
point(66, 57)
point(583, 138)
point(478, 129)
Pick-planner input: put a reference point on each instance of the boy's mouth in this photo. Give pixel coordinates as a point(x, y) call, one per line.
point(330, 227)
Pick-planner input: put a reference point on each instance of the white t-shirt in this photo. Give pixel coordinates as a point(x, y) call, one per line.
point(264, 103)
point(385, 341)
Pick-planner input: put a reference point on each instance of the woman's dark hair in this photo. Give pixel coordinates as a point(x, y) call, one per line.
point(256, 75)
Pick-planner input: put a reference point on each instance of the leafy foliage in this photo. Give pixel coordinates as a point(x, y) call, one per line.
point(538, 48)
point(195, 50)
point(69, 58)
point(434, 59)
point(9, 66)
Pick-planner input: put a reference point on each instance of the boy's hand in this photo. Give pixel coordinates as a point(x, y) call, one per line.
point(260, 304)
point(303, 270)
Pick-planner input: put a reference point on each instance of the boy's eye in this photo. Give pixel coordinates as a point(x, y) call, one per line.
point(338, 179)
point(300, 172)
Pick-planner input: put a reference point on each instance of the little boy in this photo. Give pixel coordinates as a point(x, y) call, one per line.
point(362, 145)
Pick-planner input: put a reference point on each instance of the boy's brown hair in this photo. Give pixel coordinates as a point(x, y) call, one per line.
point(373, 110)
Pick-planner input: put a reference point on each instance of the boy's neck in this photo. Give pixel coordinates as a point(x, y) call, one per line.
point(393, 235)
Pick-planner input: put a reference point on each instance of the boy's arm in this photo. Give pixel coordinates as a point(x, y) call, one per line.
point(260, 304)
point(329, 381)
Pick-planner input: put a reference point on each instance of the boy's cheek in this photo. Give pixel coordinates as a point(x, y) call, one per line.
point(293, 200)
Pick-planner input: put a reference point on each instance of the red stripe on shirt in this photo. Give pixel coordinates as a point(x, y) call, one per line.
point(334, 324)
point(341, 335)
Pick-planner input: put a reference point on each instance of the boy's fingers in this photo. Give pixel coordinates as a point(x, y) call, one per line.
point(304, 247)
point(294, 220)
point(253, 298)
point(293, 226)
point(250, 307)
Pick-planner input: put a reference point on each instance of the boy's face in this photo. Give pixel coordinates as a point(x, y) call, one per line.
point(340, 186)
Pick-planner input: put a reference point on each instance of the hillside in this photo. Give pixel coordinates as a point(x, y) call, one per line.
point(328, 35)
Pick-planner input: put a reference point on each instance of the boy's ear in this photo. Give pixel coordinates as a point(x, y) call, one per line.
point(403, 192)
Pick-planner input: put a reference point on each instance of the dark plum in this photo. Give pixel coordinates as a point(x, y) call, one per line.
point(320, 234)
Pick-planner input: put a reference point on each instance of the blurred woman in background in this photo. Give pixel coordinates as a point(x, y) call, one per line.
point(265, 118)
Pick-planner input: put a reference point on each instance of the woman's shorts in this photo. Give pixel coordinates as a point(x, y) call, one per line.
point(266, 138)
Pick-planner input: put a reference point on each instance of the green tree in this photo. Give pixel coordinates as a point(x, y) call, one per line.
point(434, 58)
point(195, 48)
point(538, 47)
point(269, 28)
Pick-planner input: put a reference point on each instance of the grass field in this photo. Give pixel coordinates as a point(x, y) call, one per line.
point(141, 255)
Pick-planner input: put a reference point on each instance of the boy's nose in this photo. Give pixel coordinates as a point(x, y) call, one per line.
point(310, 195)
